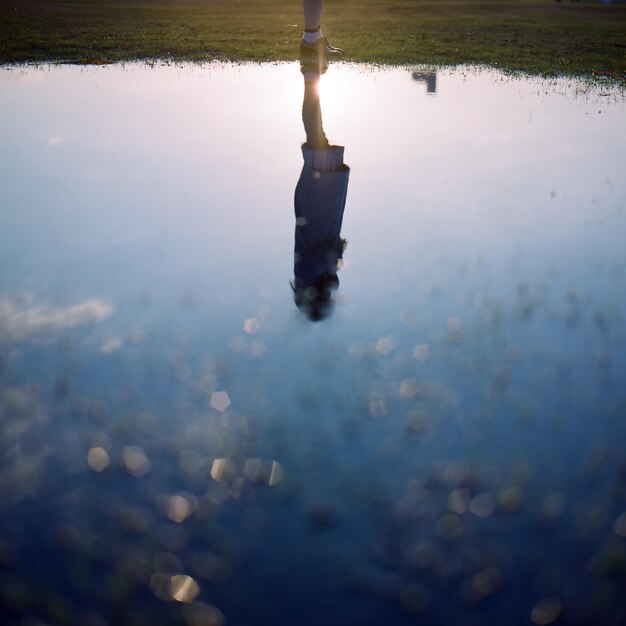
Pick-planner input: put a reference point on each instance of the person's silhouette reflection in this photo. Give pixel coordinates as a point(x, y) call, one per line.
point(320, 199)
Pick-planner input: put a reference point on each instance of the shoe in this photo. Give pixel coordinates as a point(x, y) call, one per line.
point(318, 49)
point(332, 49)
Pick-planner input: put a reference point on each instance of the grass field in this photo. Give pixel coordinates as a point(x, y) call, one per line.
point(536, 36)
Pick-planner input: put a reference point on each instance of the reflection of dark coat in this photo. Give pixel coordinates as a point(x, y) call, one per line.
point(320, 200)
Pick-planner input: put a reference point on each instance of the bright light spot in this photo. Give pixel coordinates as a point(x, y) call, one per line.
point(98, 459)
point(384, 345)
point(377, 406)
point(184, 588)
point(546, 611)
point(421, 352)
point(409, 388)
point(135, 461)
point(207, 383)
point(219, 401)
point(459, 501)
point(257, 349)
point(55, 141)
point(276, 474)
point(453, 325)
point(201, 614)
point(222, 469)
point(179, 507)
point(487, 582)
point(482, 505)
point(251, 325)
point(418, 423)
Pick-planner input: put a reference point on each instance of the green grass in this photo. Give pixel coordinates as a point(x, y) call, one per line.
point(535, 36)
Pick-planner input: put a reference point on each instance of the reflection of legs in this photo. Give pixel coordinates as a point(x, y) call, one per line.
point(312, 114)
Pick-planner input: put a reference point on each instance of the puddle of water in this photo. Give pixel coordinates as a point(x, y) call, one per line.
point(180, 444)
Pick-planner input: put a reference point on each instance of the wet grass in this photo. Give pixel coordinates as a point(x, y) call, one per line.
point(536, 36)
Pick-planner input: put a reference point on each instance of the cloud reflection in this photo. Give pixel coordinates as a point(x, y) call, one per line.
point(22, 320)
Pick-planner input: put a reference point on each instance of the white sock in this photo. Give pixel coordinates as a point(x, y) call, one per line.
point(312, 37)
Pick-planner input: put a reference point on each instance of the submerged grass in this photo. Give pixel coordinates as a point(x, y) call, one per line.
point(535, 36)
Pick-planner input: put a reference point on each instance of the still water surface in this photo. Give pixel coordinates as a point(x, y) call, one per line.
point(180, 444)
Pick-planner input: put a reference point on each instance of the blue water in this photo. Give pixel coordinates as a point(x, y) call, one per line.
point(446, 447)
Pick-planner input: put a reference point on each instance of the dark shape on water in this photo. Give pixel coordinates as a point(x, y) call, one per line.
point(319, 203)
point(428, 78)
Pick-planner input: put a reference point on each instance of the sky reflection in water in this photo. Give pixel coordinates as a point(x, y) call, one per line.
point(179, 444)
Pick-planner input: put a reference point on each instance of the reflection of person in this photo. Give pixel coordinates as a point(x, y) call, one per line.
point(320, 199)
point(313, 43)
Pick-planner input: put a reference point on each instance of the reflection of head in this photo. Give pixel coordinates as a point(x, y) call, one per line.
point(315, 300)
point(316, 274)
